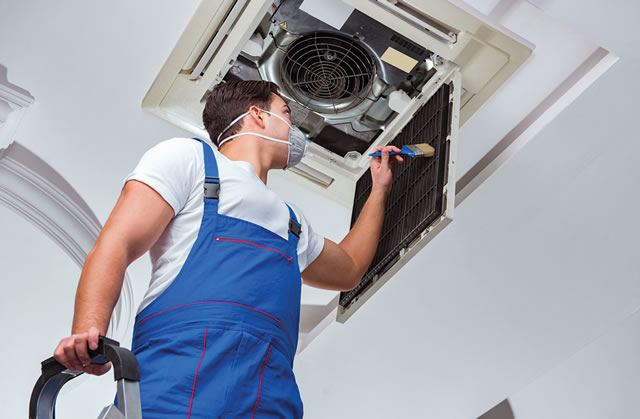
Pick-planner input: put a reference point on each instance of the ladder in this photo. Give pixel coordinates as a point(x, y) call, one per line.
point(55, 375)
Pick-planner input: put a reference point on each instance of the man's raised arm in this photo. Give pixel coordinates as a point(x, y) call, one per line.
point(341, 266)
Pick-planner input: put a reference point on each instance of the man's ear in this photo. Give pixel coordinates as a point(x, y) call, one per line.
point(254, 114)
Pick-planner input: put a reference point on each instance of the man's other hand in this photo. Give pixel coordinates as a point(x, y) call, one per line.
point(73, 352)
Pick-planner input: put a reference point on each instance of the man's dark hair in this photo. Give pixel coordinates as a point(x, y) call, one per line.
point(229, 100)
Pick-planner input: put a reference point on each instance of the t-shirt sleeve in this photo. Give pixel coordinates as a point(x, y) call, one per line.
point(310, 244)
point(169, 168)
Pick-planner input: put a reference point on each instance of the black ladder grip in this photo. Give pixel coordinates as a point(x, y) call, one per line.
point(108, 350)
point(53, 375)
point(123, 360)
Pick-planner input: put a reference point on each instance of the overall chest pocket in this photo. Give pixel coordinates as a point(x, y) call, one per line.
point(254, 248)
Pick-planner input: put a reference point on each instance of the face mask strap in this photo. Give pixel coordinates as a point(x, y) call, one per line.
point(229, 126)
point(275, 114)
point(239, 118)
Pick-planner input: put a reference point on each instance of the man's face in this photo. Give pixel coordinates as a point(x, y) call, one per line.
point(275, 127)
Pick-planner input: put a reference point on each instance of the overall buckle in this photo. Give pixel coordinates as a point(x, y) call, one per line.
point(211, 187)
point(294, 228)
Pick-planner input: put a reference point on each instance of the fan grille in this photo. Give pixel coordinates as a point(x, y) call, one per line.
point(327, 72)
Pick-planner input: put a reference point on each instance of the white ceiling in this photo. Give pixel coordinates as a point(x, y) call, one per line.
point(557, 53)
point(600, 381)
point(539, 261)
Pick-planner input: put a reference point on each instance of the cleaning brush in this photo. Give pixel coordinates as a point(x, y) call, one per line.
point(412, 150)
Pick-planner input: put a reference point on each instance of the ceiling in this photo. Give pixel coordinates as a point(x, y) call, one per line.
point(539, 261)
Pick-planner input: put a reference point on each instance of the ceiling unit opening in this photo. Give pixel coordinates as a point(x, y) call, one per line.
point(357, 74)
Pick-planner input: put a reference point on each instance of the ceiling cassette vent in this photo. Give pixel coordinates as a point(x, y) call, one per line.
point(357, 74)
point(327, 72)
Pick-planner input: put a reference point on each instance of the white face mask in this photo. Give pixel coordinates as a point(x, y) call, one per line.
point(297, 141)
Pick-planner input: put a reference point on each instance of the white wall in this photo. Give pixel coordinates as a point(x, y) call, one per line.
point(35, 310)
point(88, 65)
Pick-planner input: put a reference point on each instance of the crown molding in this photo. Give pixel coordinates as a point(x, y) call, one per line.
point(35, 191)
point(14, 102)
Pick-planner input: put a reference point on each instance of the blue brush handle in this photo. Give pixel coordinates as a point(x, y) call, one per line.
point(405, 150)
point(379, 153)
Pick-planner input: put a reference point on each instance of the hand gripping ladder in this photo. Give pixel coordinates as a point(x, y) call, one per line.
point(55, 375)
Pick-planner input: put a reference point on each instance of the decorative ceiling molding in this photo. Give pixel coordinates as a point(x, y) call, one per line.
point(34, 190)
point(14, 102)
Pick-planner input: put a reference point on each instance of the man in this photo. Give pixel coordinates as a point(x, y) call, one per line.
point(216, 332)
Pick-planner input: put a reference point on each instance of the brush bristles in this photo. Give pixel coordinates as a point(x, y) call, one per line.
point(422, 150)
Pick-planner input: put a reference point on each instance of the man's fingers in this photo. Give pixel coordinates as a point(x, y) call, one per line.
point(93, 338)
point(101, 369)
point(385, 162)
point(385, 159)
point(60, 356)
point(80, 343)
point(72, 358)
point(73, 351)
point(97, 369)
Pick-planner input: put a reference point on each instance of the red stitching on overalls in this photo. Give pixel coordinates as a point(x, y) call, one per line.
point(262, 247)
point(226, 302)
point(260, 387)
point(204, 346)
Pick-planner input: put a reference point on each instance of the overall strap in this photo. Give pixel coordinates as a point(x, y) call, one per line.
point(211, 178)
point(295, 228)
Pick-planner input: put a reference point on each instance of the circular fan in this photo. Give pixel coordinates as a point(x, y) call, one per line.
point(327, 72)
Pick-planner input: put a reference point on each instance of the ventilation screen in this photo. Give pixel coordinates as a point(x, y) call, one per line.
point(416, 199)
point(408, 45)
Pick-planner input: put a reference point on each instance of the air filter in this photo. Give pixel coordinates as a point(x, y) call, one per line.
point(327, 72)
point(416, 199)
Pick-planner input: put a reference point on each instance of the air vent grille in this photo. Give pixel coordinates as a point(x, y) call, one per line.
point(327, 72)
point(416, 199)
point(410, 46)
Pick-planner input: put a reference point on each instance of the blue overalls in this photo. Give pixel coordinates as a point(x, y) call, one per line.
point(219, 342)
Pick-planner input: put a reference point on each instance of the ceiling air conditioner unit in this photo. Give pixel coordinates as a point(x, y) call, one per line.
point(356, 74)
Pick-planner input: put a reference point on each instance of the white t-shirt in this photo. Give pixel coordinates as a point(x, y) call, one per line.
point(175, 169)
